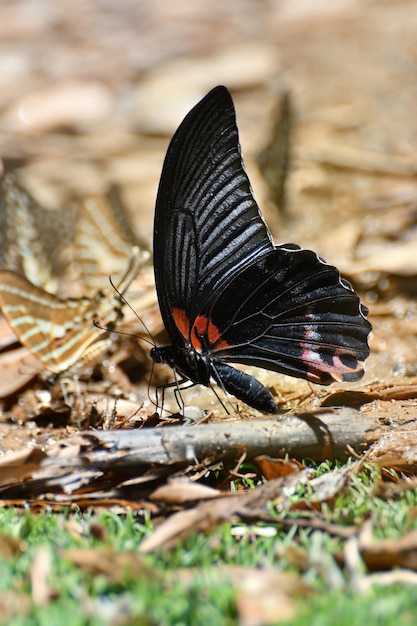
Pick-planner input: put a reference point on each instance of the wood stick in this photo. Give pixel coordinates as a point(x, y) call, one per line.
point(323, 435)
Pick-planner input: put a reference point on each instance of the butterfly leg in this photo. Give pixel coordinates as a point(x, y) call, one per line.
point(178, 385)
point(234, 408)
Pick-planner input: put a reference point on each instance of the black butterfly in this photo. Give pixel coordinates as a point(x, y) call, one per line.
point(227, 293)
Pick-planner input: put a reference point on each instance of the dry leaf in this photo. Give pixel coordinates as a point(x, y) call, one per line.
point(382, 554)
point(263, 596)
point(274, 468)
point(10, 546)
point(181, 491)
point(116, 566)
point(40, 572)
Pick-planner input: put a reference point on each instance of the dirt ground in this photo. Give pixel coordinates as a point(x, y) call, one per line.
point(90, 93)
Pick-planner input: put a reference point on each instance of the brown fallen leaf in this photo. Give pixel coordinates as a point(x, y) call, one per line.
point(263, 596)
point(18, 465)
point(397, 259)
point(345, 397)
point(10, 546)
point(248, 506)
point(353, 557)
point(183, 490)
point(209, 515)
point(383, 554)
point(274, 468)
point(15, 371)
point(7, 336)
point(398, 576)
point(397, 449)
point(14, 605)
point(327, 486)
point(40, 572)
point(396, 487)
point(345, 157)
point(116, 566)
point(68, 104)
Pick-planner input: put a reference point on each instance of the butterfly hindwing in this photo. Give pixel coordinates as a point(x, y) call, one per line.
point(62, 333)
point(290, 312)
point(56, 331)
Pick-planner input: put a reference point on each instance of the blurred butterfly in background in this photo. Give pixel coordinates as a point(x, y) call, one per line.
point(227, 293)
point(103, 240)
point(274, 159)
point(61, 332)
point(33, 240)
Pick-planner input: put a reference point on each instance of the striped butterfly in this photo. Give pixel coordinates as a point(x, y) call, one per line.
point(102, 237)
point(61, 332)
point(33, 239)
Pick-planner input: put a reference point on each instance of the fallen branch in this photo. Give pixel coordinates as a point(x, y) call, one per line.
point(95, 460)
point(323, 435)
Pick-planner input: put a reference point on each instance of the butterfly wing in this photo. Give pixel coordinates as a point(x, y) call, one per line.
point(290, 312)
point(207, 223)
point(104, 241)
point(224, 288)
point(33, 239)
point(56, 331)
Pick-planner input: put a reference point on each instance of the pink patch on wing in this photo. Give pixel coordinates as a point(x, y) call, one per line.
point(317, 366)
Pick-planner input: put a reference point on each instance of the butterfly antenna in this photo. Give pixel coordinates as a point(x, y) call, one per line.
point(151, 342)
point(121, 332)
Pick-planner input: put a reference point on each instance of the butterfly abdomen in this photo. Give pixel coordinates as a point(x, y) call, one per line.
point(244, 387)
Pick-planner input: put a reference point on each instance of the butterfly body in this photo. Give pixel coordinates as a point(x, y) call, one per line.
point(227, 293)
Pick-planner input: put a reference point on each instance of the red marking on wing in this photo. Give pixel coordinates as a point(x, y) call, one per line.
point(316, 367)
point(182, 321)
point(202, 326)
point(199, 328)
point(215, 337)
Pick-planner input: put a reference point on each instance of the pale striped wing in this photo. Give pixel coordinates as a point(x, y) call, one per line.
point(56, 331)
point(33, 239)
point(61, 333)
point(104, 240)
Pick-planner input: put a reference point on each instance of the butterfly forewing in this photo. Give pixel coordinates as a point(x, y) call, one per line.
point(34, 239)
point(104, 239)
point(207, 223)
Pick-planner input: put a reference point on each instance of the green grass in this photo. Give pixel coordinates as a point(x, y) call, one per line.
point(395, 605)
point(160, 596)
